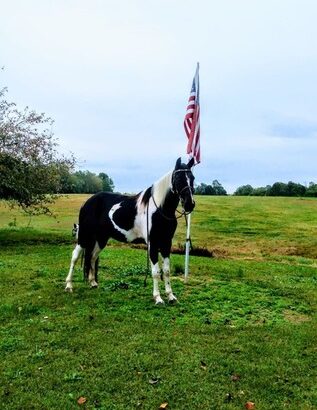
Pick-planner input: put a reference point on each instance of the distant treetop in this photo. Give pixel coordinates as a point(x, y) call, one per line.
point(279, 189)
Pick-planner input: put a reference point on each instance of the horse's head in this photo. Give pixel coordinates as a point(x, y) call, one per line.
point(183, 184)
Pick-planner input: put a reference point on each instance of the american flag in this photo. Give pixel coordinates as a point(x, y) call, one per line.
point(192, 120)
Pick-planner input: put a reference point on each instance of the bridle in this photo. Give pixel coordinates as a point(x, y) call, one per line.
point(175, 191)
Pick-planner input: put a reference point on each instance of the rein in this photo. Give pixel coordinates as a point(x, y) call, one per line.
point(181, 213)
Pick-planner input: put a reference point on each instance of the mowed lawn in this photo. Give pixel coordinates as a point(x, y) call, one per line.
point(244, 330)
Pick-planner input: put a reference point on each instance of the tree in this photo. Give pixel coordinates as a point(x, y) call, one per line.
point(244, 190)
point(204, 189)
point(214, 189)
point(30, 166)
point(261, 191)
point(85, 182)
point(218, 188)
point(312, 189)
point(92, 183)
point(107, 183)
point(294, 189)
point(278, 189)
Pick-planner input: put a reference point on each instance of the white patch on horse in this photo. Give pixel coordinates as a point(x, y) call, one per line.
point(166, 275)
point(139, 229)
point(156, 279)
point(188, 183)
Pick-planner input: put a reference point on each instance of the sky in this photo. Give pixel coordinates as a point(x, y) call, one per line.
point(116, 76)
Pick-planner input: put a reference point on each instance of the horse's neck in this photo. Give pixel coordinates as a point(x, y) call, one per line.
point(170, 204)
point(163, 195)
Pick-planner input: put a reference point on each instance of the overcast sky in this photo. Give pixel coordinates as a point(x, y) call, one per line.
point(116, 75)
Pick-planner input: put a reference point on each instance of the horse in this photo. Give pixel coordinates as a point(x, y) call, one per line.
point(148, 217)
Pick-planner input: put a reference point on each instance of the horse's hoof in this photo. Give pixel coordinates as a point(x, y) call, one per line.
point(159, 301)
point(68, 289)
point(94, 285)
point(172, 299)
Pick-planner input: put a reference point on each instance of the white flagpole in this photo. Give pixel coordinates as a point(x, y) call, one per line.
point(192, 155)
point(187, 246)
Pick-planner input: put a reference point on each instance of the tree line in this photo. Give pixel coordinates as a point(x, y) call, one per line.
point(85, 182)
point(279, 189)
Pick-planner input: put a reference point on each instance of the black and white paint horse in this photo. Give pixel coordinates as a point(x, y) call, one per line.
point(147, 217)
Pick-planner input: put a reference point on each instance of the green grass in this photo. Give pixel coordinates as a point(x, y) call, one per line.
point(239, 227)
point(244, 329)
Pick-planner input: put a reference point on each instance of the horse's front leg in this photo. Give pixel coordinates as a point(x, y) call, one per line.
point(166, 251)
point(167, 280)
point(156, 275)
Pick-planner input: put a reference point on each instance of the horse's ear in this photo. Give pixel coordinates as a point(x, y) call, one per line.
point(191, 163)
point(178, 163)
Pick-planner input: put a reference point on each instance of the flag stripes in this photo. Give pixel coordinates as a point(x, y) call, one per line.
point(192, 120)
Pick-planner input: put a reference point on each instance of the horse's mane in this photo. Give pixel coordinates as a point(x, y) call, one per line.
point(161, 188)
point(158, 191)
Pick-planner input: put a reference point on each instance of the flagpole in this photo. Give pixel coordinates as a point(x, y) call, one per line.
point(192, 129)
point(187, 246)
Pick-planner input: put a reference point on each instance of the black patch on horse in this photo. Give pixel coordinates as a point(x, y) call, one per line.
point(124, 217)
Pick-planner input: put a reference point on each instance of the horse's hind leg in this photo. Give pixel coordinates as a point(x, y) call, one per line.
point(75, 256)
point(92, 276)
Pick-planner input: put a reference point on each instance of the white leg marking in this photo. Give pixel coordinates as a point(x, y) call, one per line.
point(166, 275)
point(92, 273)
point(156, 278)
point(75, 256)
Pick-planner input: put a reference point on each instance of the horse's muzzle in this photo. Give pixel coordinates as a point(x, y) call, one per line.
point(189, 205)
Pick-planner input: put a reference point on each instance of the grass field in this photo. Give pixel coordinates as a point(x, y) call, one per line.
point(244, 329)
